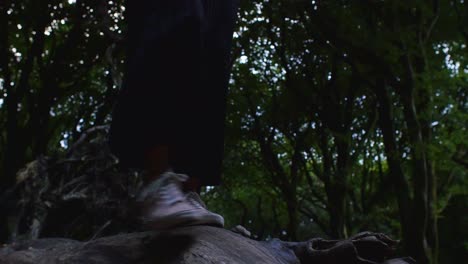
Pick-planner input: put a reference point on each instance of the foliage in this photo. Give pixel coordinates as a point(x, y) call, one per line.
point(342, 116)
point(80, 195)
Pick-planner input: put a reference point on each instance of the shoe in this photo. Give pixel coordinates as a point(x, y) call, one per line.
point(165, 206)
point(195, 198)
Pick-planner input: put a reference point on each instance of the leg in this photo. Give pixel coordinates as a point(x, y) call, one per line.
point(165, 118)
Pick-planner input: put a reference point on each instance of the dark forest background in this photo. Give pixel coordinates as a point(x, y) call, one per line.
point(343, 116)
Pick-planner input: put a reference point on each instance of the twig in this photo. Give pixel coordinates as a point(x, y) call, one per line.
point(84, 136)
point(99, 231)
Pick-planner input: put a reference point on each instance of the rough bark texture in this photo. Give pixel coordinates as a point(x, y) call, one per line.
point(200, 244)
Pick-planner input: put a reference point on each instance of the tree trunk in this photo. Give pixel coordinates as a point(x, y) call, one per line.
point(407, 91)
point(336, 210)
point(201, 244)
point(293, 217)
point(393, 158)
point(10, 160)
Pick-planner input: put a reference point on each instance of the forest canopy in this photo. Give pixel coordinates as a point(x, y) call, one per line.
point(343, 116)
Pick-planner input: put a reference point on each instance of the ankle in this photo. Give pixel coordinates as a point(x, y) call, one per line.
point(156, 162)
point(193, 184)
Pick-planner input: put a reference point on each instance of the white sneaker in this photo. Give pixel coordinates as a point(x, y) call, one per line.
point(195, 198)
point(164, 205)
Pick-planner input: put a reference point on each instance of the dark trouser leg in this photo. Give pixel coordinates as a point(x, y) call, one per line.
point(175, 85)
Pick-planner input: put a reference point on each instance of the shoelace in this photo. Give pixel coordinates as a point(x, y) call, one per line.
point(169, 182)
point(193, 197)
point(168, 192)
point(195, 203)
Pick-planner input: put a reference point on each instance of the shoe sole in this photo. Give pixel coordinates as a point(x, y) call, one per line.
point(183, 219)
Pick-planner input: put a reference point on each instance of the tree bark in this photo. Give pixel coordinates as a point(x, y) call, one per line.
point(201, 244)
point(393, 156)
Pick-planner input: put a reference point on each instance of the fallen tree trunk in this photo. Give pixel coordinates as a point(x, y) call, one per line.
point(197, 245)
